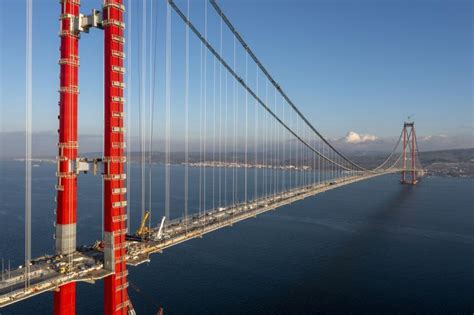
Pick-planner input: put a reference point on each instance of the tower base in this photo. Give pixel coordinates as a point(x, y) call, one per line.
point(408, 182)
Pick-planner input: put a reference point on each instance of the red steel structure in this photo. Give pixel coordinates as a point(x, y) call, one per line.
point(64, 298)
point(409, 140)
point(116, 300)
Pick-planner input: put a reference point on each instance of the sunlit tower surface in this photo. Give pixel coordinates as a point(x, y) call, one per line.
point(116, 299)
point(64, 298)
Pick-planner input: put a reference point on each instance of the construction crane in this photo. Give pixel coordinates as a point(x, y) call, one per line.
point(144, 233)
point(143, 230)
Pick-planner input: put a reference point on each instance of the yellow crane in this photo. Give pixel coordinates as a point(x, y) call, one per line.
point(143, 230)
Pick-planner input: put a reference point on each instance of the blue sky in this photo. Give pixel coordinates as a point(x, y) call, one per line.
point(358, 66)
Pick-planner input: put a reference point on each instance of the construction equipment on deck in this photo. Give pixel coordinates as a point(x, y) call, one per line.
point(143, 228)
point(160, 231)
point(143, 231)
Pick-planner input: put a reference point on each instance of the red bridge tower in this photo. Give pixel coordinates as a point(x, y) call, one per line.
point(409, 140)
point(116, 299)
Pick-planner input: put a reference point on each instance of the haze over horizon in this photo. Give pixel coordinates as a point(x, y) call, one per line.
point(359, 76)
point(44, 144)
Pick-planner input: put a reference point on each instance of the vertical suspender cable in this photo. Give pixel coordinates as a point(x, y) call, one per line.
point(282, 138)
point(153, 57)
point(292, 155)
point(220, 118)
point(325, 165)
point(289, 157)
point(277, 146)
point(205, 108)
point(276, 155)
point(237, 148)
point(234, 101)
point(214, 134)
point(280, 152)
point(142, 105)
point(272, 156)
point(319, 162)
point(297, 157)
point(264, 149)
point(303, 159)
point(225, 139)
point(272, 151)
point(293, 149)
point(246, 127)
point(314, 165)
point(201, 104)
point(331, 173)
point(309, 164)
point(29, 107)
point(255, 145)
point(242, 83)
point(150, 105)
point(284, 149)
point(266, 143)
point(306, 160)
point(129, 113)
point(168, 109)
point(296, 154)
point(186, 122)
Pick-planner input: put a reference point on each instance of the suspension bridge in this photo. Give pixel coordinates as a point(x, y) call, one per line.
point(255, 151)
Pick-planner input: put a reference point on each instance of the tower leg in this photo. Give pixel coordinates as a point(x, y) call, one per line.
point(64, 299)
point(115, 286)
point(404, 161)
point(413, 156)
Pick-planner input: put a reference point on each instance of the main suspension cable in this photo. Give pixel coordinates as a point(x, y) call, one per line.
point(275, 84)
point(391, 154)
point(245, 86)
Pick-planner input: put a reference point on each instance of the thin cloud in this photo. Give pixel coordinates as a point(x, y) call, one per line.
point(353, 137)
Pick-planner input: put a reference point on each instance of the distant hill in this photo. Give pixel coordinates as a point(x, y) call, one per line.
point(447, 156)
point(455, 162)
point(452, 163)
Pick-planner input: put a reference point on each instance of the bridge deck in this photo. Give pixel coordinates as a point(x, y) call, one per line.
point(87, 263)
